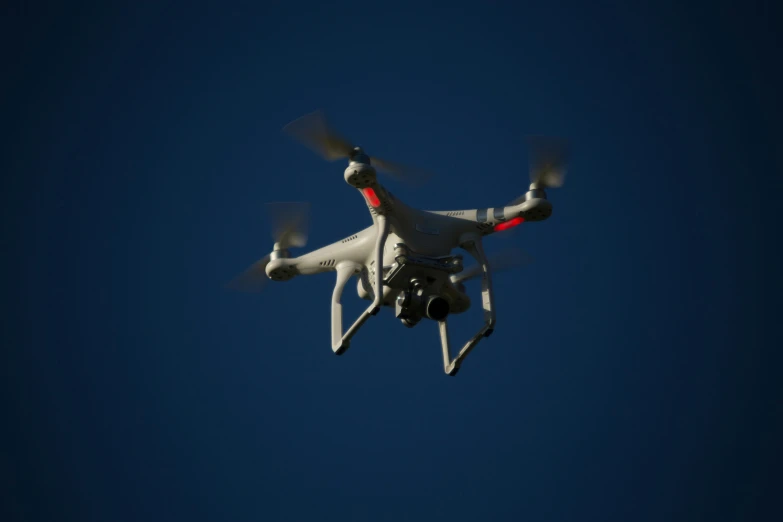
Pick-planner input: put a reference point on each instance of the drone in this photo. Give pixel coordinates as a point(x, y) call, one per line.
point(403, 261)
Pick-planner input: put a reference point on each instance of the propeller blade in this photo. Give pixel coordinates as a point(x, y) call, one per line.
point(498, 262)
point(404, 173)
point(314, 132)
point(290, 223)
point(289, 229)
point(253, 279)
point(548, 159)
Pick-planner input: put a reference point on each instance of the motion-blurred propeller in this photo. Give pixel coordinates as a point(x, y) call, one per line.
point(314, 132)
point(548, 162)
point(498, 262)
point(289, 223)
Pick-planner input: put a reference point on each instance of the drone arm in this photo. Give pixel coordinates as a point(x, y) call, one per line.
point(340, 341)
point(532, 206)
point(450, 366)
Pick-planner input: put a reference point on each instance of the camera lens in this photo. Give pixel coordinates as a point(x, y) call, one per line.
point(437, 308)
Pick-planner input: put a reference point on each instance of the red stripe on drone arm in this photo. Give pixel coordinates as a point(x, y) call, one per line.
point(509, 224)
point(372, 197)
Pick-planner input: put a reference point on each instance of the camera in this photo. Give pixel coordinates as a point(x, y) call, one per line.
point(416, 303)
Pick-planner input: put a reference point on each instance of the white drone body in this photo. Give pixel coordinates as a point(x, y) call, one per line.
point(404, 260)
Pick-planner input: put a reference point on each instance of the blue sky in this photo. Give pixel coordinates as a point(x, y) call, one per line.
point(631, 372)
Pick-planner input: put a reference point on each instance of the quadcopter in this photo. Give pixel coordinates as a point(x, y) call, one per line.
point(404, 260)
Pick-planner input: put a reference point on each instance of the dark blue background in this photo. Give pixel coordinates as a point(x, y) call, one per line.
point(633, 372)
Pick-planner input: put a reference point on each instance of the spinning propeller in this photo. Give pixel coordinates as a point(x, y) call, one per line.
point(498, 262)
point(548, 162)
point(315, 133)
point(290, 222)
